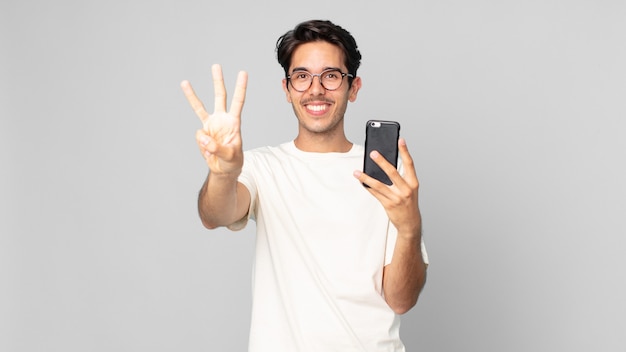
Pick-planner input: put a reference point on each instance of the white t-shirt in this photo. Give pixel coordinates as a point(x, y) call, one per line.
point(322, 241)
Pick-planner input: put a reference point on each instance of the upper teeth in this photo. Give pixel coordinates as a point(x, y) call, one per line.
point(317, 107)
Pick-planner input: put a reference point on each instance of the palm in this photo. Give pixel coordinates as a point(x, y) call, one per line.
point(224, 130)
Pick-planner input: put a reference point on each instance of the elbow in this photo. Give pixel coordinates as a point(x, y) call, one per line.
point(208, 219)
point(404, 300)
point(209, 226)
point(402, 308)
point(212, 223)
point(208, 223)
point(401, 311)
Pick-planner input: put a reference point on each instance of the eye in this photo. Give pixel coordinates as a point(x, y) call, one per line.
point(332, 75)
point(301, 76)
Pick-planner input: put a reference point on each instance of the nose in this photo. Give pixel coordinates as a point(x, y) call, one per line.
point(316, 85)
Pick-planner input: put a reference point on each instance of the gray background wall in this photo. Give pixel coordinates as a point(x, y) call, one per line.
point(513, 111)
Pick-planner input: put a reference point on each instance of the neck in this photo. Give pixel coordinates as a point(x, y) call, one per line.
point(322, 143)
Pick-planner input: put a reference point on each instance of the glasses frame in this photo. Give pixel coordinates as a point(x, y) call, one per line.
point(319, 76)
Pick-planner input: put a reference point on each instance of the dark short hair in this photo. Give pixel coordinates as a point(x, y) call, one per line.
point(318, 30)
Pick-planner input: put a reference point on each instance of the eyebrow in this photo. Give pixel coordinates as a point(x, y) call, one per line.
point(297, 69)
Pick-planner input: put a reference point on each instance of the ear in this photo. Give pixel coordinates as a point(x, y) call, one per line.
point(354, 88)
point(286, 90)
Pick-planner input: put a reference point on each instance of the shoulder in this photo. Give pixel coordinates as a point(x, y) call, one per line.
point(268, 151)
point(267, 156)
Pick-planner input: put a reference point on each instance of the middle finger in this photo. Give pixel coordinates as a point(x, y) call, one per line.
point(219, 88)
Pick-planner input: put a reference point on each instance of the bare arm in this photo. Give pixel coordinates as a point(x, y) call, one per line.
point(405, 276)
point(222, 200)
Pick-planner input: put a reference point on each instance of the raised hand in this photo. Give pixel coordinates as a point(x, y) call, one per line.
point(219, 139)
point(400, 200)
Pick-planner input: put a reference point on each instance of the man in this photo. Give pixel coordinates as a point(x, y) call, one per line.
point(336, 263)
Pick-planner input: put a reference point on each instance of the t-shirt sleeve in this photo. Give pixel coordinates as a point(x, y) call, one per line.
point(392, 235)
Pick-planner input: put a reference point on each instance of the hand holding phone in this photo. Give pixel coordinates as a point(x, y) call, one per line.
point(381, 136)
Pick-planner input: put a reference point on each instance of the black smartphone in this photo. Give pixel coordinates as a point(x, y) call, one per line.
point(381, 136)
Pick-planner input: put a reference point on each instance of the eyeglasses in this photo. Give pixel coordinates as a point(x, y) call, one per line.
point(329, 79)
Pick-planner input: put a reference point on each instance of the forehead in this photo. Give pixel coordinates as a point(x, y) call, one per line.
point(317, 56)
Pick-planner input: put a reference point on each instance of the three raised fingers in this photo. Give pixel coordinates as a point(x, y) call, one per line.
point(239, 96)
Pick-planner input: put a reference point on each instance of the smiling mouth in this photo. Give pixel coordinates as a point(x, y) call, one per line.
point(317, 108)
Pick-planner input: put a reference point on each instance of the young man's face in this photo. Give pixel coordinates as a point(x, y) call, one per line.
point(319, 110)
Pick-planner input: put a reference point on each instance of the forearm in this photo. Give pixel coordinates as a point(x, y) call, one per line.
point(405, 276)
point(219, 201)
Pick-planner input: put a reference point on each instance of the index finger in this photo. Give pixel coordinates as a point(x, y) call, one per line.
point(410, 176)
point(194, 101)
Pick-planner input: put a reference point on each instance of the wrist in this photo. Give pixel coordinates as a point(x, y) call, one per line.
point(410, 232)
point(225, 174)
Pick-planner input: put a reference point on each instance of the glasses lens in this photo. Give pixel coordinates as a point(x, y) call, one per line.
point(331, 79)
point(300, 80)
